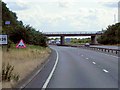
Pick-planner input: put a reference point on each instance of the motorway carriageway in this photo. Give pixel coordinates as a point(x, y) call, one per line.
point(78, 68)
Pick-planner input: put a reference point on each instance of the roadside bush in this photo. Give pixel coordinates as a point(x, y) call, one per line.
point(111, 35)
point(17, 30)
point(7, 73)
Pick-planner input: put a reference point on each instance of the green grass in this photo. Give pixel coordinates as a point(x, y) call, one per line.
point(13, 47)
point(35, 47)
point(31, 56)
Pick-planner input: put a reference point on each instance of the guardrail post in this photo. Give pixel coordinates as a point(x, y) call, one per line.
point(105, 50)
point(111, 51)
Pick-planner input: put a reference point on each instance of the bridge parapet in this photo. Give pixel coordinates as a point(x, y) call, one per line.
point(82, 32)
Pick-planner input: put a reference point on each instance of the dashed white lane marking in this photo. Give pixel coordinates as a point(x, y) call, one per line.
point(87, 58)
point(50, 75)
point(105, 70)
point(94, 62)
point(114, 56)
point(110, 55)
point(81, 55)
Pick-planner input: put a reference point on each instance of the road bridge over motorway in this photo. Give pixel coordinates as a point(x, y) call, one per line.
point(94, 35)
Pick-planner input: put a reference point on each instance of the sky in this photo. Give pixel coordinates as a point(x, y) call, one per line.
point(66, 15)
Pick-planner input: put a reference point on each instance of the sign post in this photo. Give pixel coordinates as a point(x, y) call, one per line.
point(7, 23)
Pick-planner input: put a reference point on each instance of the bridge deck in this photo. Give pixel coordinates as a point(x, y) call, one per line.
point(73, 33)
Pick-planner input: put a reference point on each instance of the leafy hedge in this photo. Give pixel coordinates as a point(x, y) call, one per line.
point(111, 35)
point(17, 30)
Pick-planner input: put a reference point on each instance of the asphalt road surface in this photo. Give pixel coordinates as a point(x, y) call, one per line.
point(81, 68)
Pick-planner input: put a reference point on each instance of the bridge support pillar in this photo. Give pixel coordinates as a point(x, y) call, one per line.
point(94, 39)
point(62, 42)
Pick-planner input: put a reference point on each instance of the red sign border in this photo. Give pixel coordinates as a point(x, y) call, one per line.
point(22, 42)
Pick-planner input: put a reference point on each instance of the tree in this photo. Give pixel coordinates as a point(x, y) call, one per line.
point(17, 31)
point(111, 35)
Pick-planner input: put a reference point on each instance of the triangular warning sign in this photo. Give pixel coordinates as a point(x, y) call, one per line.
point(21, 44)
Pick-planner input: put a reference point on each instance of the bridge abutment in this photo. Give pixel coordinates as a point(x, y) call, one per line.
point(62, 40)
point(94, 39)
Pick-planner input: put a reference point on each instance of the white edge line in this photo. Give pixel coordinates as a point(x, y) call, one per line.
point(29, 80)
point(50, 75)
point(105, 70)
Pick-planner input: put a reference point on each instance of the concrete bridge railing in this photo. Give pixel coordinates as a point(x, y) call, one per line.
point(77, 32)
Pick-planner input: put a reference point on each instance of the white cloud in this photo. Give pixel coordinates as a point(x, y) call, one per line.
point(66, 15)
point(61, 0)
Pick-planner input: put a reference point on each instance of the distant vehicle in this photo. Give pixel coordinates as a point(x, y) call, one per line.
point(51, 42)
point(87, 44)
point(58, 42)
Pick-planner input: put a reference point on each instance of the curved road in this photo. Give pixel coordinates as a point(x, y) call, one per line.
point(79, 68)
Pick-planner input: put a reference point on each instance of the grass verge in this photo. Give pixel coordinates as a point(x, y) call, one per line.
point(24, 61)
point(0, 67)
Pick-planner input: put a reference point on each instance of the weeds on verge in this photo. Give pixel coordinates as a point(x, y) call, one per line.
point(7, 73)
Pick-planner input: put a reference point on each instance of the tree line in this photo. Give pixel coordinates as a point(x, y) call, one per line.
point(17, 30)
point(75, 40)
point(80, 41)
point(111, 35)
